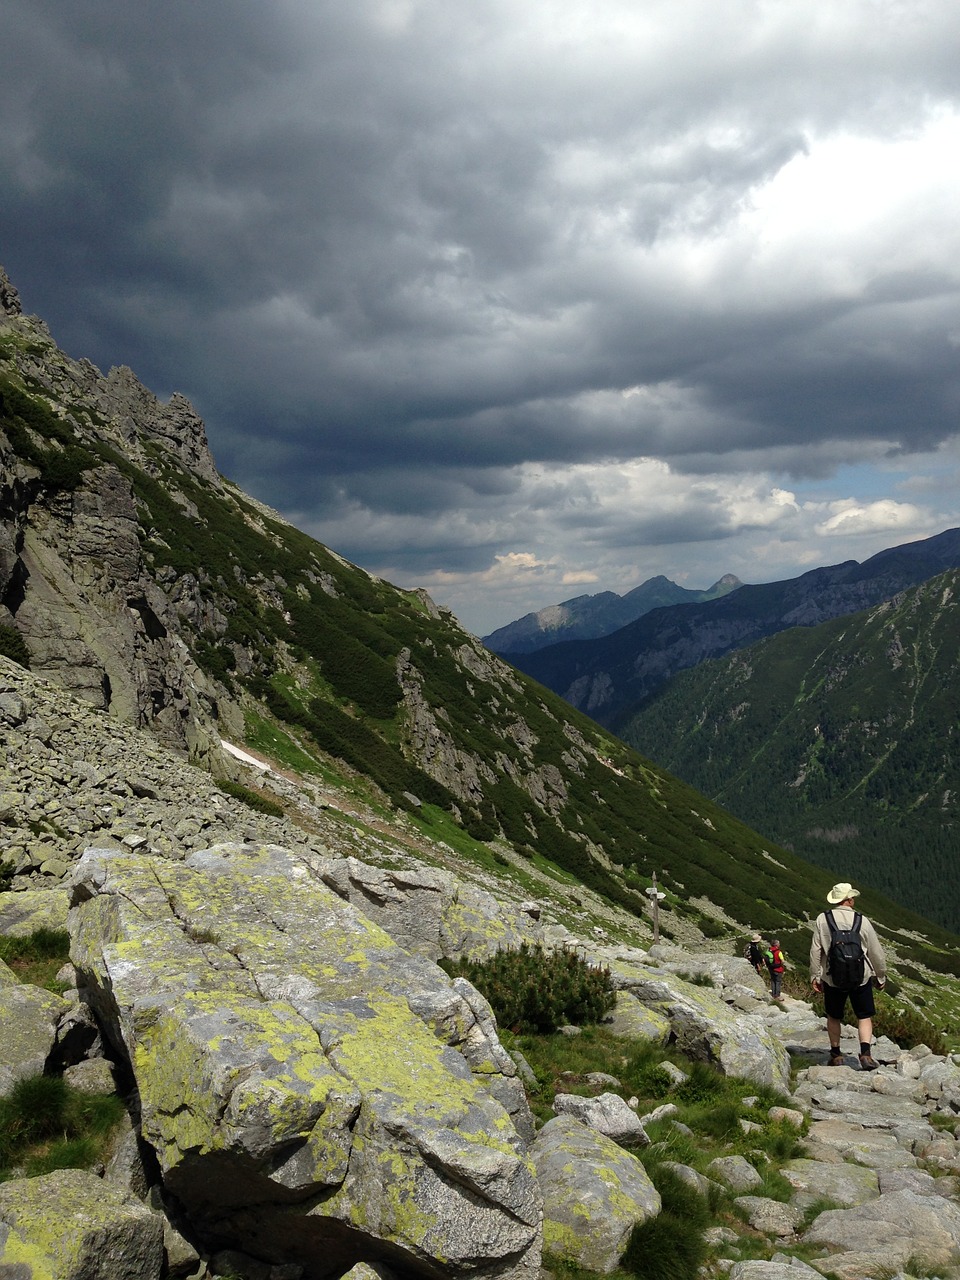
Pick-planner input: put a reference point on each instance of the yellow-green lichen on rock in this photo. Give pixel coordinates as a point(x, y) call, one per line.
point(28, 1030)
point(72, 1223)
point(594, 1194)
point(289, 1047)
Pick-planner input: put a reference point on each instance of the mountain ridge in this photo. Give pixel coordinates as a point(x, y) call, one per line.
point(607, 678)
point(856, 718)
point(134, 575)
point(589, 617)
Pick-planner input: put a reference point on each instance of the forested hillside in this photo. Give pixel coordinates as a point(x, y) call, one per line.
point(839, 741)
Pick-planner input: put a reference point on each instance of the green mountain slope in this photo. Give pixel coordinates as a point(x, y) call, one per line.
point(588, 617)
point(611, 676)
point(840, 741)
point(135, 574)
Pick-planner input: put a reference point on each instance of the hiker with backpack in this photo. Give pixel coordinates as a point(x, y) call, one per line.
point(846, 961)
point(776, 966)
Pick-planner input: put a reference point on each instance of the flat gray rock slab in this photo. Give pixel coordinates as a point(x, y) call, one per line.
point(891, 1229)
point(865, 1108)
point(594, 1194)
point(845, 1184)
point(25, 912)
point(71, 1225)
point(757, 1270)
point(918, 1180)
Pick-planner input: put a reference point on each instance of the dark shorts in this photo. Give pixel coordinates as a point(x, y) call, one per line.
point(861, 1001)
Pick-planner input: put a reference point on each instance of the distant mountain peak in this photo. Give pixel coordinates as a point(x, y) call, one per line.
point(589, 617)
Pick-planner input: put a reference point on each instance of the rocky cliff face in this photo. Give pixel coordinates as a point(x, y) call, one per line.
point(73, 579)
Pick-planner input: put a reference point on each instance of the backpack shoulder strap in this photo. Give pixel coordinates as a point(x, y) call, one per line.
point(828, 915)
point(855, 927)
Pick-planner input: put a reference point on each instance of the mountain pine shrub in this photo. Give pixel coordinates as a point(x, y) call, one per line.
point(533, 991)
point(253, 799)
point(13, 646)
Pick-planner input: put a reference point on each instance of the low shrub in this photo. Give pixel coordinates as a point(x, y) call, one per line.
point(252, 799)
point(13, 645)
point(536, 991)
point(905, 1026)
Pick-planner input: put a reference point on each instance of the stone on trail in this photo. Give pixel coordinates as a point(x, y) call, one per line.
point(844, 1184)
point(888, 1231)
point(300, 1075)
point(71, 1225)
point(594, 1194)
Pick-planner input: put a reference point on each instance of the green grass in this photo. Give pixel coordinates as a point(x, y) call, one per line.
point(37, 957)
point(46, 1125)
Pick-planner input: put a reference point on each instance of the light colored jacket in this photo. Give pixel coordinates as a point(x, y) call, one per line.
point(876, 961)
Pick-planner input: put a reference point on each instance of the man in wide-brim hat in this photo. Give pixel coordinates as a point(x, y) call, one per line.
point(846, 917)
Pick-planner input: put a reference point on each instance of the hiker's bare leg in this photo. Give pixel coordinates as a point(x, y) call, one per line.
point(866, 1030)
point(833, 1030)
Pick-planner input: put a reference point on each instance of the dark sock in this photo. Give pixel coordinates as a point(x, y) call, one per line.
point(834, 1048)
point(865, 1049)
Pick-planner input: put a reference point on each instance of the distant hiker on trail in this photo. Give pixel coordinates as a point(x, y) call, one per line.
point(776, 966)
point(846, 960)
point(754, 952)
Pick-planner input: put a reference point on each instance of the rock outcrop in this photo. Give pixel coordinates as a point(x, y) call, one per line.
point(71, 1225)
point(316, 1094)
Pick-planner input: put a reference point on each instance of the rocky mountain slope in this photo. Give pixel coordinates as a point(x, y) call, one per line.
point(311, 1097)
point(858, 719)
point(590, 616)
point(133, 574)
point(608, 678)
point(265, 793)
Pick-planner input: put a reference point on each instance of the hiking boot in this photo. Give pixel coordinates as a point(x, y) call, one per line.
point(835, 1059)
point(867, 1063)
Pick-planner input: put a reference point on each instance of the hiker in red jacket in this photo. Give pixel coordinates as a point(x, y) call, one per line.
point(776, 967)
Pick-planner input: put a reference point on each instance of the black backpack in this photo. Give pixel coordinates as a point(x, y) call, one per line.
point(845, 959)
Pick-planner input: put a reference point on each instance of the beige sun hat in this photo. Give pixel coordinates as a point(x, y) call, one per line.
point(841, 891)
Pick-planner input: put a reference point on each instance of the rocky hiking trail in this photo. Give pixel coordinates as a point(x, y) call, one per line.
point(246, 982)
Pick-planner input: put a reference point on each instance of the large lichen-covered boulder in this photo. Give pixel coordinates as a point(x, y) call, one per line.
point(632, 1020)
point(594, 1194)
point(314, 1093)
point(31, 909)
point(29, 1017)
point(431, 912)
point(704, 1027)
point(71, 1225)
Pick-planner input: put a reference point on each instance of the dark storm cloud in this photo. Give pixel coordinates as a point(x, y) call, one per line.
point(444, 279)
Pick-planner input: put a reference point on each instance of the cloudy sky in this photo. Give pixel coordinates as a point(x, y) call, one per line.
point(516, 301)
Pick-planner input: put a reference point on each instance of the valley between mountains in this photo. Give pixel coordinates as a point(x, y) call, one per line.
point(259, 795)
